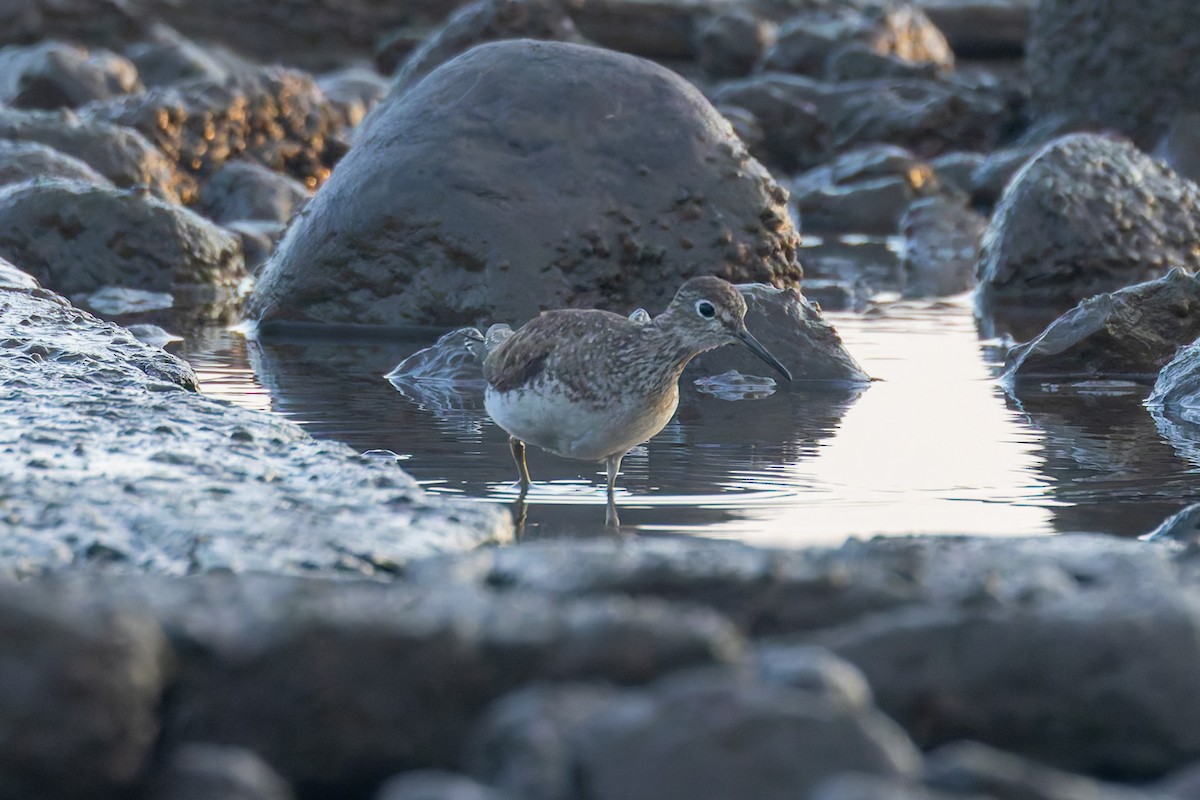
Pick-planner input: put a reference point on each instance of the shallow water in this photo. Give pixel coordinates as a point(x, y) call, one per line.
point(934, 446)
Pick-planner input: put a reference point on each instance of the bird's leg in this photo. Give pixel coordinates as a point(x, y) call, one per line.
point(613, 465)
point(518, 453)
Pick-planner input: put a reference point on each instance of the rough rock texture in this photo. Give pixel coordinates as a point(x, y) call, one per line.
point(340, 684)
point(1087, 215)
point(56, 75)
point(486, 21)
point(275, 116)
point(22, 161)
point(1128, 334)
point(730, 43)
point(112, 463)
point(436, 785)
point(77, 238)
point(810, 120)
point(244, 190)
point(792, 329)
point(79, 696)
point(941, 246)
point(580, 177)
point(1178, 384)
point(198, 771)
point(1115, 64)
point(120, 154)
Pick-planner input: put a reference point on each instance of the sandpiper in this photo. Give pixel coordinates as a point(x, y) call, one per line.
point(592, 385)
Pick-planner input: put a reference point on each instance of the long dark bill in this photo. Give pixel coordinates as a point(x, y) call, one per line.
point(762, 352)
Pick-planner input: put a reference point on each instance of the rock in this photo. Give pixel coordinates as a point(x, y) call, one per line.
point(730, 43)
point(55, 75)
point(76, 238)
point(258, 240)
point(814, 670)
point(863, 191)
point(166, 57)
point(339, 684)
point(245, 190)
point(199, 771)
point(858, 62)
point(954, 170)
point(975, 770)
point(1183, 784)
point(112, 462)
point(275, 116)
point(1129, 334)
point(813, 39)
point(13, 278)
point(1087, 215)
point(855, 786)
point(120, 154)
point(713, 736)
point(485, 21)
point(941, 246)
point(1179, 146)
point(99, 23)
point(810, 120)
point(354, 91)
point(792, 329)
point(435, 785)
point(1091, 68)
point(992, 177)
point(1179, 381)
point(22, 161)
point(982, 29)
point(656, 29)
point(79, 698)
point(438, 217)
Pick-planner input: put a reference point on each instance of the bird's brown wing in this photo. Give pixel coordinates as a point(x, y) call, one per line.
point(520, 359)
point(543, 341)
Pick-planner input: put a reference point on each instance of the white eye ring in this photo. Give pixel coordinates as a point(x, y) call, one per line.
point(706, 309)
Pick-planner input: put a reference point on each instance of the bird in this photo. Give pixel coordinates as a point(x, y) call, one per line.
point(591, 385)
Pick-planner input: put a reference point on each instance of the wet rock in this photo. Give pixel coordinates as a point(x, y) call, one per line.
point(55, 75)
point(485, 21)
point(1090, 67)
point(275, 116)
point(258, 240)
point(731, 42)
point(79, 698)
point(792, 329)
point(811, 120)
point(1087, 215)
point(1128, 334)
point(435, 785)
point(22, 161)
point(13, 278)
point(113, 301)
point(245, 190)
point(201, 771)
point(812, 40)
point(423, 222)
point(153, 335)
point(111, 463)
point(354, 91)
point(339, 684)
point(120, 154)
point(982, 28)
point(76, 238)
point(941, 246)
point(1176, 391)
point(864, 191)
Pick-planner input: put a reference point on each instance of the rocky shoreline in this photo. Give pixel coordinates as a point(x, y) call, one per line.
point(202, 601)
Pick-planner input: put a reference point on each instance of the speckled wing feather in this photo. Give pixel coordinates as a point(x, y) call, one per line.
point(547, 339)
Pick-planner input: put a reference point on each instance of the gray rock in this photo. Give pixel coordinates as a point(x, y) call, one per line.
point(259, 238)
point(982, 29)
point(1179, 147)
point(354, 91)
point(485, 21)
point(200, 771)
point(88, 21)
point(992, 177)
point(954, 170)
point(439, 217)
point(57, 75)
point(862, 191)
point(435, 785)
point(656, 29)
point(110, 463)
point(120, 154)
point(272, 115)
point(731, 42)
point(13, 278)
point(1087, 215)
point(857, 61)
point(1177, 388)
point(76, 238)
point(244, 190)
point(1098, 65)
point(814, 670)
point(1128, 334)
point(941, 246)
point(79, 696)
point(22, 161)
point(166, 57)
point(792, 329)
point(856, 786)
point(1183, 784)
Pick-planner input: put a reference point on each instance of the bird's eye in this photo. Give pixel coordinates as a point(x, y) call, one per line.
point(705, 309)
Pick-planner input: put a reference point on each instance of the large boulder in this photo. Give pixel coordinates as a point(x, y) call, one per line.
point(1117, 64)
point(1088, 214)
point(55, 75)
point(77, 238)
point(1128, 334)
point(523, 176)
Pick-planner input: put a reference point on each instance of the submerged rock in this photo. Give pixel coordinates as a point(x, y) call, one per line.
point(441, 217)
point(1128, 334)
point(1087, 215)
point(57, 75)
point(113, 462)
point(77, 238)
